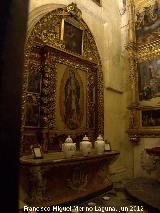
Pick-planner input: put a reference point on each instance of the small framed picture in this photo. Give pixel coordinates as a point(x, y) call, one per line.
point(107, 146)
point(37, 151)
point(72, 36)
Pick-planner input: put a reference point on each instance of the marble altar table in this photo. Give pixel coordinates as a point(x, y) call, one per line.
point(55, 180)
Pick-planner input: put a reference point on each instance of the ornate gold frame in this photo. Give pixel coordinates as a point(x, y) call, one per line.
point(139, 51)
point(44, 48)
point(52, 57)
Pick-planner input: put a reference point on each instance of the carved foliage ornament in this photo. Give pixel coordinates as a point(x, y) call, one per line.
point(74, 10)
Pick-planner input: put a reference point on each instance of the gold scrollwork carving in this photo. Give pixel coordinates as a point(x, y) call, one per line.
point(148, 51)
point(100, 106)
point(132, 50)
point(133, 119)
point(74, 10)
point(48, 93)
point(134, 139)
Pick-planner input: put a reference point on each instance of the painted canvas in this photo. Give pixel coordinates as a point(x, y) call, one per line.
point(34, 82)
point(72, 101)
point(72, 98)
point(148, 20)
point(72, 38)
point(32, 115)
point(149, 80)
point(150, 118)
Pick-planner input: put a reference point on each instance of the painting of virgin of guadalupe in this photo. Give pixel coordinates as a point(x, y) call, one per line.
point(72, 98)
point(72, 115)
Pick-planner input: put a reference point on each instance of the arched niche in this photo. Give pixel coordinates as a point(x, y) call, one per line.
point(51, 63)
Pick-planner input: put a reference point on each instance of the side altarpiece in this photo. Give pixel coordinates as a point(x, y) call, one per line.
point(144, 75)
point(63, 82)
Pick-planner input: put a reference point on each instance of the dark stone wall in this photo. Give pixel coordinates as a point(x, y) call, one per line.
point(13, 24)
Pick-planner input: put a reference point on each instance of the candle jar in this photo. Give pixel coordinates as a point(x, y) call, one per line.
point(85, 146)
point(69, 148)
point(99, 145)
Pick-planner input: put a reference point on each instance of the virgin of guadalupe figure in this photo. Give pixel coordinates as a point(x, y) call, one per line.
point(72, 113)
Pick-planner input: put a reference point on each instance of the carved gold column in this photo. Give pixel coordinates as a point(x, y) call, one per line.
point(131, 48)
point(131, 17)
point(133, 75)
point(48, 90)
point(44, 92)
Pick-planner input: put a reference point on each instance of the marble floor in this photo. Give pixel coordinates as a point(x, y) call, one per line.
point(146, 190)
point(115, 200)
point(111, 201)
